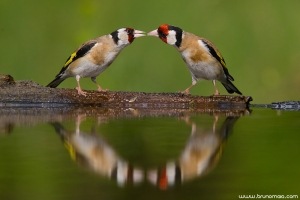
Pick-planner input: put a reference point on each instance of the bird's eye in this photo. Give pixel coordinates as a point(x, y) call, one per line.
point(161, 34)
point(129, 31)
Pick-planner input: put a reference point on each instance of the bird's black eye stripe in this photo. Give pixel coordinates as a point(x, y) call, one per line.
point(130, 31)
point(161, 34)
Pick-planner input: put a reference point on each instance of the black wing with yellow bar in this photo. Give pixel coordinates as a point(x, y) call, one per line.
point(216, 54)
point(80, 52)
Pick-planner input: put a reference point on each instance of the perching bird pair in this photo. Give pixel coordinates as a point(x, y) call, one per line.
point(94, 56)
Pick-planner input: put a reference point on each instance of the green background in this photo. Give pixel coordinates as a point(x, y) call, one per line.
point(258, 39)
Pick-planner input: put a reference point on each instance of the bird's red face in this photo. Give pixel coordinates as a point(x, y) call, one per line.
point(125, 36)
point(169, 34)
point(163, 32)
point(132, 34)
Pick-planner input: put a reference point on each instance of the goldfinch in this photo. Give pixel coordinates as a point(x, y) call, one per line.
point(94, 56)
point(201, 154)
point(203, 59)
point(90, 150)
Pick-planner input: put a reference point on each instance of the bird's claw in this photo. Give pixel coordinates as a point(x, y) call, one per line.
point(184, 92)
point(216, 93)
point(102, 90)
point(80, 92)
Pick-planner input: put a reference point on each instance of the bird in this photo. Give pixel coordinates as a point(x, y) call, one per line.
point(94, 56)
point(91, 150)
point(201, 56)
point(201, 154)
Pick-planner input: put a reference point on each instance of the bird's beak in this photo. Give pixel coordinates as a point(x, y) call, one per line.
point(153, 33)
point(138, 33)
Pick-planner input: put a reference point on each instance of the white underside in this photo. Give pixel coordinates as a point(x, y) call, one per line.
point(210, 70)
point(204, 71)
point(87, 69)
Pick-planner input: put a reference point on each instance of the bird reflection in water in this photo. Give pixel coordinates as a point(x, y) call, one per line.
point(201, 154)
point(93, 152)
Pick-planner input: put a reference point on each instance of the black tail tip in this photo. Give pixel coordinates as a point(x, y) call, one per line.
point(237, 91)
point(51, 85)
point(231, 88)
point(55, 82)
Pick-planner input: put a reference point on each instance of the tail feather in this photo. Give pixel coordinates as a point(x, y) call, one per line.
point(231, 88)
point(55, 82)
point(59, 129)
point(228, 126)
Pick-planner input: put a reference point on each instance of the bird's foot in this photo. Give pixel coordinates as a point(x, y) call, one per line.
point(186, 92)
point(80, 92)
point(216, 93)
point(102, 90)
point(186, 119)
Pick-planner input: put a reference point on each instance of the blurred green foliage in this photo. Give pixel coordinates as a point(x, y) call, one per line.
point(259, 40)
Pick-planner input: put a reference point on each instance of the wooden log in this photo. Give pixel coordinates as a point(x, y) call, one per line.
point(27, 93)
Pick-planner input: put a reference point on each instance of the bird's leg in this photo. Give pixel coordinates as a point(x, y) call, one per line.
point(78, 122)
point(215, 123)
point(217, 91)
point(98, 86)
point(187, 90)
point(80, 92)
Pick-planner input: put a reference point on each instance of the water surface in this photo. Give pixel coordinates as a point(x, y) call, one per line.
point(101, 153)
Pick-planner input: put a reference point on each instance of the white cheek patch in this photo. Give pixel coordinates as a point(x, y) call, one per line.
point(123, 38)
point(171, 38)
